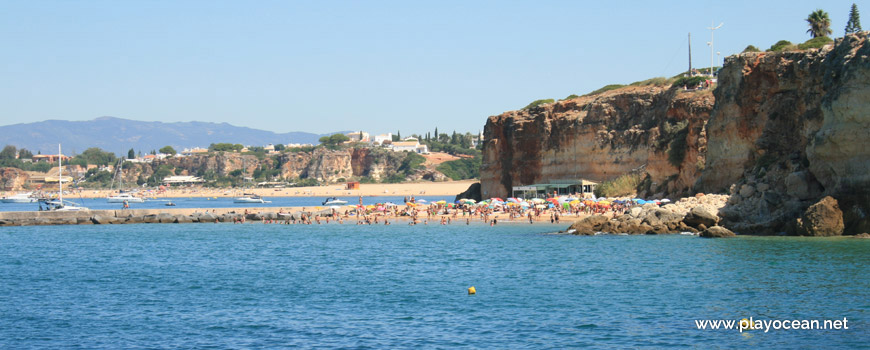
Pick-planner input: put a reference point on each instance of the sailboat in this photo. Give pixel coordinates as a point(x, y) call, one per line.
point(59, 204)
point(123, 196)
point(248, 197)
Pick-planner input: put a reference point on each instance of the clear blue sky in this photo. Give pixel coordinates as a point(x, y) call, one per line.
point(322, 66)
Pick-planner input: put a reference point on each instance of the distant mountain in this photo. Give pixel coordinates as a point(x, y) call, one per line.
point(119, 135)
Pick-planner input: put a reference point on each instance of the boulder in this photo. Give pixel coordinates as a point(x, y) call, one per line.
point(589, 225)
point(822, 219)
point(717, 232)
point(100, 220)
point(747, 191)
point(165, 218)
point(700, 216)
point(150, 219)
point(183, 219)
point(863, 235)
point(84, 221)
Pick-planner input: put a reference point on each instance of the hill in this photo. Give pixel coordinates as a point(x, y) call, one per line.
point(119, 135)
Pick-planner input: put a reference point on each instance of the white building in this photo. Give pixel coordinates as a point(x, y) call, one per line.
point(359, 136)
point(379, 139)
point(409, 146)
point(181, 180)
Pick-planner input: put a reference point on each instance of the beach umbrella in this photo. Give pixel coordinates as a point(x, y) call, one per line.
point(525, 204)
point(421, 201)
point(514, 200)
point(496, 199)
point(381, 208)
point(441, 202)
point(541, 206)
point(666, 200)
point(574, 202)
point(537, 200)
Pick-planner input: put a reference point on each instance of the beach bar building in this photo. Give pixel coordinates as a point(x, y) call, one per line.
point(558, 187)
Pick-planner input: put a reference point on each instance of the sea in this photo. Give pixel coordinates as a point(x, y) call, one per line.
point(225, 286)
point(225, 202)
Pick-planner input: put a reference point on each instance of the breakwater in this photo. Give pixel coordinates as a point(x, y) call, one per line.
point(140, 216)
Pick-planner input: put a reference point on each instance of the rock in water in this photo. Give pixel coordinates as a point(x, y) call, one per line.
point(589, 226)
point(822, 219)
point(700, 216)
point(717, 232)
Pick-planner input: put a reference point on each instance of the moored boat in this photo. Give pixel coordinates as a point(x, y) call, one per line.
point(19, 198)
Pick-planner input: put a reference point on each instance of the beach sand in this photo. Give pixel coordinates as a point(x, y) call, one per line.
point(449, 189)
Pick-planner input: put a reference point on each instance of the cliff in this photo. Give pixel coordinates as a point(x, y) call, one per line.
point(788, 129)
point(786, 138)
point(654, 130)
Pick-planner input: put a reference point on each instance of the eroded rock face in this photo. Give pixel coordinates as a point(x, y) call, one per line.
point(599, 138)
point(788, 129)
point(13, 179)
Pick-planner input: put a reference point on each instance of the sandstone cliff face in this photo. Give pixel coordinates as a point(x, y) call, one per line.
point(789, 128)
point(12, 179)
point(599, 138)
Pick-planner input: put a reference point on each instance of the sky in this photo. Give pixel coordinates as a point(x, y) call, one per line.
point(378, 66)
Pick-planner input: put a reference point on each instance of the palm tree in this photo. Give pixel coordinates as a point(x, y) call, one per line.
point(820, 23)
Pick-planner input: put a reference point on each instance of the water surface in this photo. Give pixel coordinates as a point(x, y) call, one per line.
point(256, 285)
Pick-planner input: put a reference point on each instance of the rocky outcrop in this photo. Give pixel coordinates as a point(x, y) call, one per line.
point(600, 137)
point(473, 192)
point(717, 232)
point(13, 179)
point(821, 219)
point(686, 215)
point(788, 129)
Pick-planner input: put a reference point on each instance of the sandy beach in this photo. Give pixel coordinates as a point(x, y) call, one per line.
point(447, 189)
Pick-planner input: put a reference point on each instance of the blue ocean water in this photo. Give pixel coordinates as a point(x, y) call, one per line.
point(346, 286)
point(220, 202)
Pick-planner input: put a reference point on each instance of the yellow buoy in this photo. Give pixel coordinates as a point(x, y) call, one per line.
point(471, 290)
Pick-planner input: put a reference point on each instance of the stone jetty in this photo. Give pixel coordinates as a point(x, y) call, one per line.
point(142, 216)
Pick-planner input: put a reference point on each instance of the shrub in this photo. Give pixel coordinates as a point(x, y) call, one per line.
point(625, 185)
point(461, 169)
point(781, 45)
point(571, 96)
point(538, 103)
point(751, 48)
point(657, 81)
point(606, 88)
point(689, 82)
point(815, 43)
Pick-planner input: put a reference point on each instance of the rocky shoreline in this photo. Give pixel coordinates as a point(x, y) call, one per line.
point(701, 214)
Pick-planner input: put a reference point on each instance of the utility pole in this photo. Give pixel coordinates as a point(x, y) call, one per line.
point(690, 54)
point(712, 53)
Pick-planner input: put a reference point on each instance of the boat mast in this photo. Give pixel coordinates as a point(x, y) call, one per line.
point(690, 54)
point(60, 173)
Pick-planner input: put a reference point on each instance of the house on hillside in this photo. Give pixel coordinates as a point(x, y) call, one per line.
point(409, 146)
point(379, 139)
point(359, 136)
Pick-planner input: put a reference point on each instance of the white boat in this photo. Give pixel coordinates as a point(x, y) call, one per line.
point(125, 197)
point(250, 198)
point(59, 204)
point(19, 198)
point(334, 201)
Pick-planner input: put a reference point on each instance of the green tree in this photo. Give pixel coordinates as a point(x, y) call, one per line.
point(225, 147)
point(8, 152)
point(279, 147)
point(24, 154)
point(334, 141)
point(854, 23)
point(751, 48)
point(131, 154)
point(168, 150)
point(95, 156)
point(820, 23)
